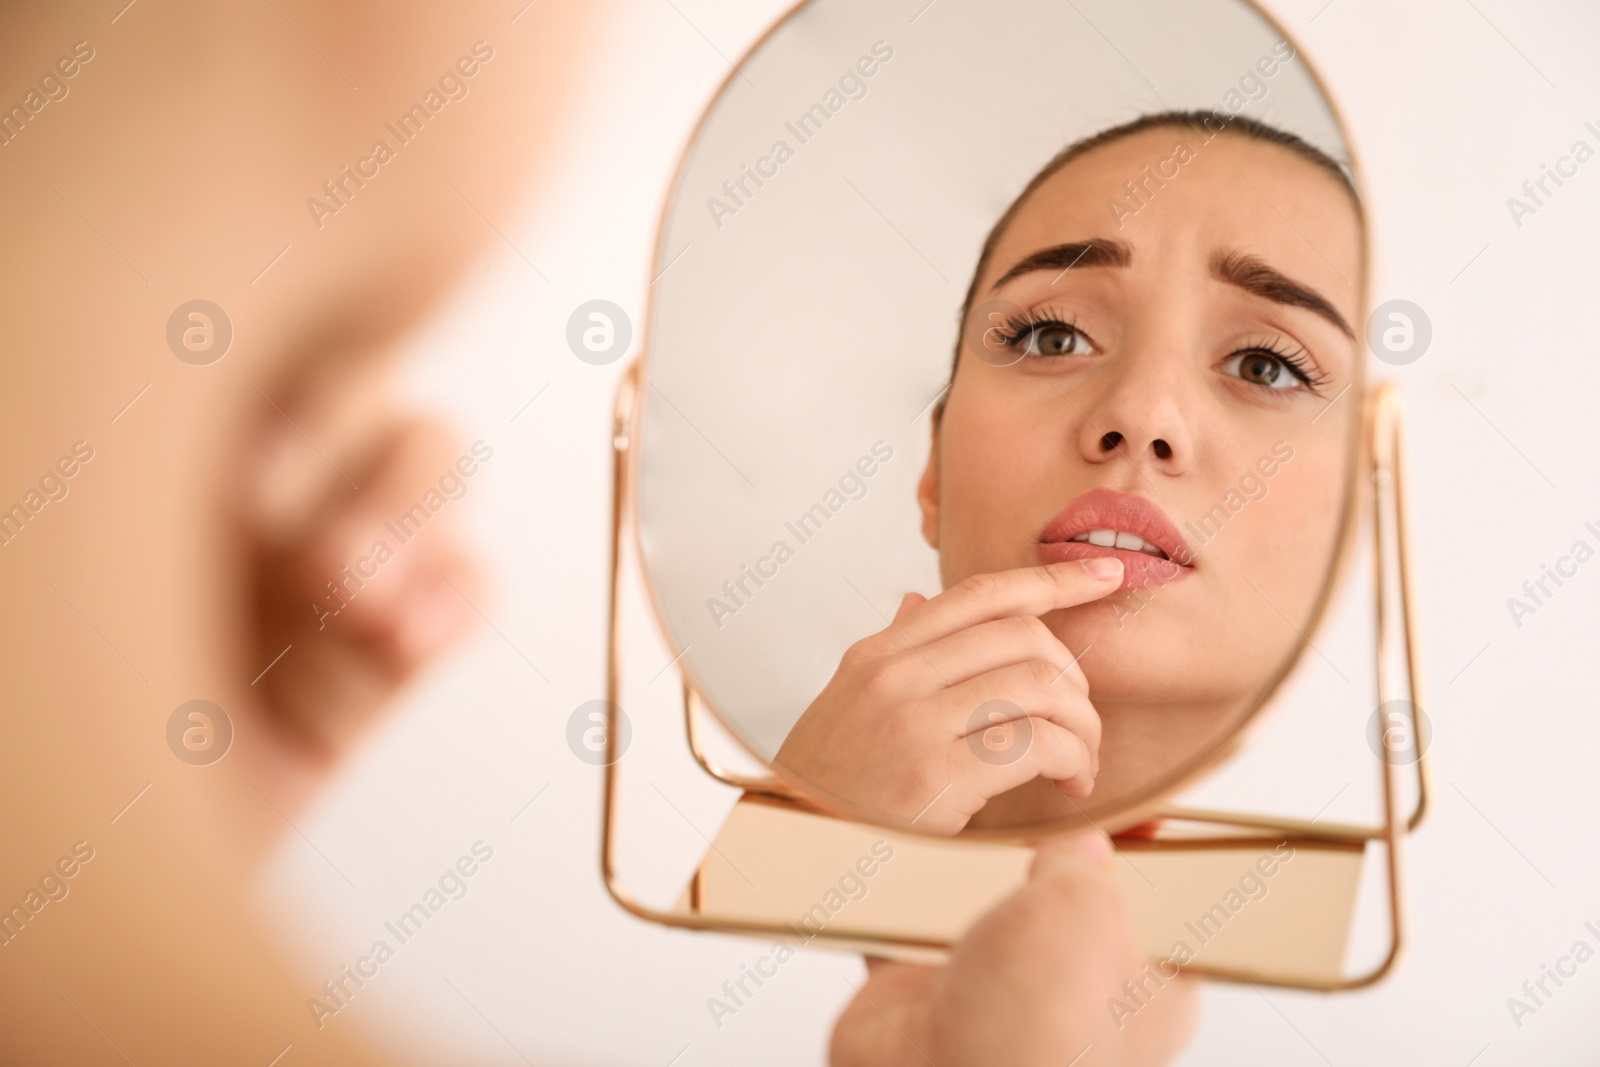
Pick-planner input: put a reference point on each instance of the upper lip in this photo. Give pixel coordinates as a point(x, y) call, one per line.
point(1107, 509)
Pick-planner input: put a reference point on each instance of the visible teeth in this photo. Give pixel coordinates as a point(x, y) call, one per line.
point(1119, 539)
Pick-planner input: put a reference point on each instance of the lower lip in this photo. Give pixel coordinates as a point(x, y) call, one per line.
point(1139, 569)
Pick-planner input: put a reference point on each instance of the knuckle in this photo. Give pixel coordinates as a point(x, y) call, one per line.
point(1091, 733)
point(1075, 678)
point(1067, 753)
point(871, 650)
point(892, 685)
point(878, 683)
point(1042, 638)
point(1086, 724)
point(1024, 630)
point(1064, 579)
point(984, 588)
point(1041, 672)
point(859, 656)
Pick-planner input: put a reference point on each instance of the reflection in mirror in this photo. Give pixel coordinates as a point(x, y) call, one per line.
point(1053, 578)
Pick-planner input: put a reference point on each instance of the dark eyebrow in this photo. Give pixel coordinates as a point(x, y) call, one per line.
point(1095, 252)
point(1253, 275)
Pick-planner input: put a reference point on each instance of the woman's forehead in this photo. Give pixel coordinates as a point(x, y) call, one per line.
point(1165, 187)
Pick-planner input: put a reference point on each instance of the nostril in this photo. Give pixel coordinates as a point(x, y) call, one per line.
point(1110, 441)
point(1161, 449)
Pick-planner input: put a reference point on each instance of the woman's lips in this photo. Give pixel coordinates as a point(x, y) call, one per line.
point(1098, 511)
point(1139, 571)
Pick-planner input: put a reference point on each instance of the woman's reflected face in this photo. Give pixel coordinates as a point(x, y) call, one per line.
point(1165, 381)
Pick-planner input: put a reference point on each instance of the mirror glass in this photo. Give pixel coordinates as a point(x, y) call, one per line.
point(953, 300)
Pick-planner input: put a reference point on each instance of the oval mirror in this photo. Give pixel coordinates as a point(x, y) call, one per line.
point(1044, 314)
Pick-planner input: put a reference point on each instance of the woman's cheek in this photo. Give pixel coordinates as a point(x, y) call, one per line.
point(977, 502)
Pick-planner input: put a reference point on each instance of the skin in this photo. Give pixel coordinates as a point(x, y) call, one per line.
point(188, 550)
point(1031, 978)
point(977, 642)
point(1144, 397)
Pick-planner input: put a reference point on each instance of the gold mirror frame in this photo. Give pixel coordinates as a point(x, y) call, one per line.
point(1376, 452)
point(1381, 463)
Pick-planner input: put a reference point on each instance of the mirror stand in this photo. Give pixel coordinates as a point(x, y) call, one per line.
point(1200, 884)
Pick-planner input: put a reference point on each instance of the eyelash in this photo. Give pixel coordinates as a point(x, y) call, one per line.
point(1017, 327)
point(1297, 362)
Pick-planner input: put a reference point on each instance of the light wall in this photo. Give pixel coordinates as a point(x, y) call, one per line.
point(1451, 106)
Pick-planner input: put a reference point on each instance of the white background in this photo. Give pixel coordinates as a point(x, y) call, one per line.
point(1451, 105)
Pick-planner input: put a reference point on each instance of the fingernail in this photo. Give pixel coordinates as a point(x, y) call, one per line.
point(1062, 785)
point(1103, 567)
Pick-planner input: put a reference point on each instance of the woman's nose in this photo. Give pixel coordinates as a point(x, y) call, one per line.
point(1137, 416)
point(1112, 439)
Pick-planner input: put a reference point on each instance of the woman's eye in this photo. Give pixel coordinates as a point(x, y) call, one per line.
point(1054, 339)
point(1264, 369)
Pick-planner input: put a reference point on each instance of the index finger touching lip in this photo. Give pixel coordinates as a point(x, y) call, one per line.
point(1024, 591)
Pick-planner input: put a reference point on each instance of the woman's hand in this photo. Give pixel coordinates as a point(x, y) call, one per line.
point(963, 697)
point(1029, 984)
